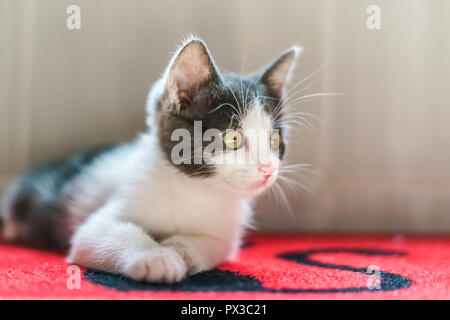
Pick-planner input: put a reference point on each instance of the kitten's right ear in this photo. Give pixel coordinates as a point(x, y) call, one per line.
point(191, 71)
point(278, 72)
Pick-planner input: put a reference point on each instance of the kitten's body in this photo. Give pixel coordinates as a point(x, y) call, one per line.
point(128, 208)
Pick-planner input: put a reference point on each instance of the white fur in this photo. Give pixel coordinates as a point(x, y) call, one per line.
point(200, 221)
point(242, 176)
point(201, 224)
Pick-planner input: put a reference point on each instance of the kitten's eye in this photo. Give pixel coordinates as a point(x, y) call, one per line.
point(233, 139)
point(275, 140)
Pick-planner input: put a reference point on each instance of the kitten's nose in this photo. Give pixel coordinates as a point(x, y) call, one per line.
point(267, 169)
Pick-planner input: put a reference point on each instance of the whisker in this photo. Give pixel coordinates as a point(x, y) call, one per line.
point(297, 166)
point(297, 183)
point(242, 70)
point(292, 103)
point(232, 118)
point(235, 98)
point(293, 95)
point(288, 93)
point(298, 118)
point(222, 105)
point(283, 197)
point(288, 99)
point(305, 79)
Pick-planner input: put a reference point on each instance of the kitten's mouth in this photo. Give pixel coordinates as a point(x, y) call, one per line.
point(261, 183)
point(264, 182)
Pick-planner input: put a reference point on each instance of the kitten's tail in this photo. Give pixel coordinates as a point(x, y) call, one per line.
point(7, 231)
point(15, 206)
point(1, 222)
point(2, 219)
point(29, 218)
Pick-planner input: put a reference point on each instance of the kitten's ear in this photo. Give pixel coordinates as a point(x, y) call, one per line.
point(191, 70)
point(277, 73)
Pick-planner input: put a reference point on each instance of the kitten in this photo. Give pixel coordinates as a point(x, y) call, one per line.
point(131, 209)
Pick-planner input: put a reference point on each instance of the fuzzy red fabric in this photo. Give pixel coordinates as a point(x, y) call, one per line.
point(268, 267)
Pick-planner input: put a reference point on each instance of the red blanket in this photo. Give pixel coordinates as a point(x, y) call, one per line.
point(268, 267)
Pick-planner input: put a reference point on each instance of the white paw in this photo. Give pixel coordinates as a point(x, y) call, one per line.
point(157, 265)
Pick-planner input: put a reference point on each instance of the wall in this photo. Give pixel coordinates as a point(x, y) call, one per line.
point(382, 148)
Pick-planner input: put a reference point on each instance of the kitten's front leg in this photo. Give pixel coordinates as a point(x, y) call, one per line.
point(201, 252)
point(107, 243)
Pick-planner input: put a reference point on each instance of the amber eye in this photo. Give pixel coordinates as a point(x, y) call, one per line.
point(275, 140)
point(233, 139)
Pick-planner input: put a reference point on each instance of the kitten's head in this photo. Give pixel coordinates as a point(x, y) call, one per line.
point(223, 128)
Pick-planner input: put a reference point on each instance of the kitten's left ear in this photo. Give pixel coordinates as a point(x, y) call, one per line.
point(276, 75)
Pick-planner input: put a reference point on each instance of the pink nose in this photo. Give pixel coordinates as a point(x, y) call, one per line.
point(266, 169)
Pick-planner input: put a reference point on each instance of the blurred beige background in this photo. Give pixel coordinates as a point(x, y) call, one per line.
point(383, 148)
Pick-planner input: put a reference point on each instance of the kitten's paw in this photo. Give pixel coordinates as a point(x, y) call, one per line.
point(157, 265)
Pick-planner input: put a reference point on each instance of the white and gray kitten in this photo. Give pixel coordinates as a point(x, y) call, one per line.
point(129, 209)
